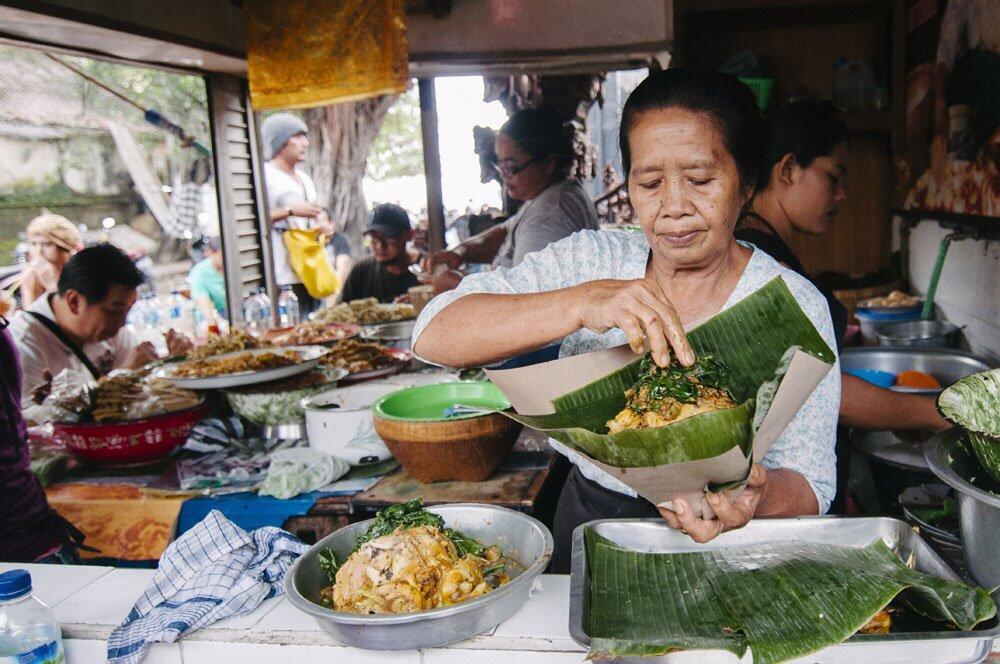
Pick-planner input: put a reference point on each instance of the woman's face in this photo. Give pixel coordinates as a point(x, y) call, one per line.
point(813, 195)
point(524, 177)
point(684, 186)
point(42, 248)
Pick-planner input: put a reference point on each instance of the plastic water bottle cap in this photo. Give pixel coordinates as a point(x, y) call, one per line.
point(15, 583)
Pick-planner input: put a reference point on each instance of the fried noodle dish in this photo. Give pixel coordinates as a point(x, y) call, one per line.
point(312, 333)
point(235, 364)
point(357, 356)
point(662, 396)
point(408, 561)
point(367, 311)
point(229, 343)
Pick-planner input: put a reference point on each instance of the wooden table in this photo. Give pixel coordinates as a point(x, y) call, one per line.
point(529, 481)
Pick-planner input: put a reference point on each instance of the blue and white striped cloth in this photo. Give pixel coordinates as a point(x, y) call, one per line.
point(215, 570)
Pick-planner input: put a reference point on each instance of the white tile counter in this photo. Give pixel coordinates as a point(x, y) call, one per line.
point(90, 601)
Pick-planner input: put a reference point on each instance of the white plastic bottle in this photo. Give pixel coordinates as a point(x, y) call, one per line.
point(29, 633)
point(180, 314)
point(288, 307)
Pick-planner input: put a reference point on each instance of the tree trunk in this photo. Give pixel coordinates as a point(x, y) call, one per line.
point(341, 137)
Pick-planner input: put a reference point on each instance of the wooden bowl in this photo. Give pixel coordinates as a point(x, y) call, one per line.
point(432, 448)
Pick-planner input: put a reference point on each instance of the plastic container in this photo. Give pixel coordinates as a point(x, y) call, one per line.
point(870, 319)
point(288, 308)
point(854, 86)
point(29, 633)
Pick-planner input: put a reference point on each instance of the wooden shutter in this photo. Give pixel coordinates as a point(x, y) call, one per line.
point(242, 204)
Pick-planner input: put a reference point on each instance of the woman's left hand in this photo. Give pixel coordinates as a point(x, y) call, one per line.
point(729, 514)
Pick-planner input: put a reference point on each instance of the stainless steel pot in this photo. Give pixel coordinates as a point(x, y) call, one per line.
point(923, 333)
point(978, 509)
point(394, 335)
point(518, 536)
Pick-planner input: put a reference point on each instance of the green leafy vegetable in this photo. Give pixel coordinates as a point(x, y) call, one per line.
point(328, 563)
point(677, 381)
point(412, 514)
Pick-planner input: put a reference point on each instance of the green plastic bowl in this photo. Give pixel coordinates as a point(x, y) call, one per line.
point(429, 402)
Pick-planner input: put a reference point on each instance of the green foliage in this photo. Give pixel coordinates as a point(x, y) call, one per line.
point(410, 515)
point(398, 149)
point(56, 194)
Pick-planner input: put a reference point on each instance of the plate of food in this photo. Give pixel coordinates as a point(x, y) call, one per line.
point(417, 578)
point(231, 342)
point(312, 332)
point(241, 368)
point(365, 312)
point(365, 360)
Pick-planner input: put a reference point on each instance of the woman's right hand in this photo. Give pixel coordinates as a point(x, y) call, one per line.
point(303, 209)
point(640, 309)
point(446, 259)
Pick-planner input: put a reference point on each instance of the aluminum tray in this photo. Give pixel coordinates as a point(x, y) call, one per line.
point(653, 535)
point(518, 536)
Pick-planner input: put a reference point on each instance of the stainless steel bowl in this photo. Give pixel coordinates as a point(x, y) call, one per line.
point(946, 365)
point(394, 335)
point(922, 333)
point(978, 510)
point(518, 536)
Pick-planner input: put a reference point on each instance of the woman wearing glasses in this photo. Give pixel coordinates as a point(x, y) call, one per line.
point(534, 152)
point(53, 239)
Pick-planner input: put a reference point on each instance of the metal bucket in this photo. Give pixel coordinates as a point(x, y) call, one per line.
point(923, 333)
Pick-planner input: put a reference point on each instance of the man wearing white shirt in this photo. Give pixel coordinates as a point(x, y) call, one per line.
point(82, 325)
point(291, 197)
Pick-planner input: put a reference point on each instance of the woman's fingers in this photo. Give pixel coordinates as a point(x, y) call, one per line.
point(673, 330)
point(697, 528)
point(629, 324)
point(729, 515)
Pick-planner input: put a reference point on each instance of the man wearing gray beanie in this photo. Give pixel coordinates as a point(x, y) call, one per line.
point(291, 197)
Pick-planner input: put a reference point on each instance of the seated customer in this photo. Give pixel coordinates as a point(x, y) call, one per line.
point(208, 285)
point(82, 325)
point(385, 275)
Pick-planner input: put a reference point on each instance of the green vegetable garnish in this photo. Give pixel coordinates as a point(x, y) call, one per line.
point(679, 382)
point(412, 514)
point(328, 563)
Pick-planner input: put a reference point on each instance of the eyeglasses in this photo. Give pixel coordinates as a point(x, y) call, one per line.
point(511, 171)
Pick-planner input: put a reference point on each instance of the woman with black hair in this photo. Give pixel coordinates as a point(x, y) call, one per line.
point(690, 145)
point(799, 191)
point(534, 152)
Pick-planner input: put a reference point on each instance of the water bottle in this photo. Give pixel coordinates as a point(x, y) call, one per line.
point(29, 633)
point(288, 307)
point(264, 309)
point(180, 314)
point(251, 303)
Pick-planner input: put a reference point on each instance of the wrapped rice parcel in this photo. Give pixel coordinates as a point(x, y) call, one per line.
point(682, 431)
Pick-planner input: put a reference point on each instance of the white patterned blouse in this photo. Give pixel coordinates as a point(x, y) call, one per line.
point(806, 446)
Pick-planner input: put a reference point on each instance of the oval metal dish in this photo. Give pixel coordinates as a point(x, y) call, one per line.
point(309, 358)
point(518, 536)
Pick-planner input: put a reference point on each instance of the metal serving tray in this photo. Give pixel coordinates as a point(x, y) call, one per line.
point(653, 535)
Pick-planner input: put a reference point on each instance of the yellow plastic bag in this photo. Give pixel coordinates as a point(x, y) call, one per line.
point(308, 259)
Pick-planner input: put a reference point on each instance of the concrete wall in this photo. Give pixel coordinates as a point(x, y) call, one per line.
point(969, 290)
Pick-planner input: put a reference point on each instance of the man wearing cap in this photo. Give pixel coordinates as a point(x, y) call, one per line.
point(291, 197)
point(385, 275)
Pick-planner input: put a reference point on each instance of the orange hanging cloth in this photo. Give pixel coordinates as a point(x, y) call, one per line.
point(303, 53)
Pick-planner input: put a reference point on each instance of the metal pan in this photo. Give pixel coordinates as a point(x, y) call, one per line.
point(517, 535)
point(942, 647)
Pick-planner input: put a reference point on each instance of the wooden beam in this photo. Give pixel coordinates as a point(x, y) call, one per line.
point(432, 163)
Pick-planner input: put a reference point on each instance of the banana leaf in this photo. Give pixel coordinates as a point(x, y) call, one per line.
point(784, 601)
point(973, 403)
point(754, 338)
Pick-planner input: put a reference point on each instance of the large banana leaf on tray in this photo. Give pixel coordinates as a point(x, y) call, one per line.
point(753, 338)
point(784, 601)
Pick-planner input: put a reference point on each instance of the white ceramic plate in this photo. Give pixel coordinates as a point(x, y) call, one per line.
point(308, 358)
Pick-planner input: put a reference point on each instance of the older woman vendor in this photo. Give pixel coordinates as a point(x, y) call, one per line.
point(690, 145)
